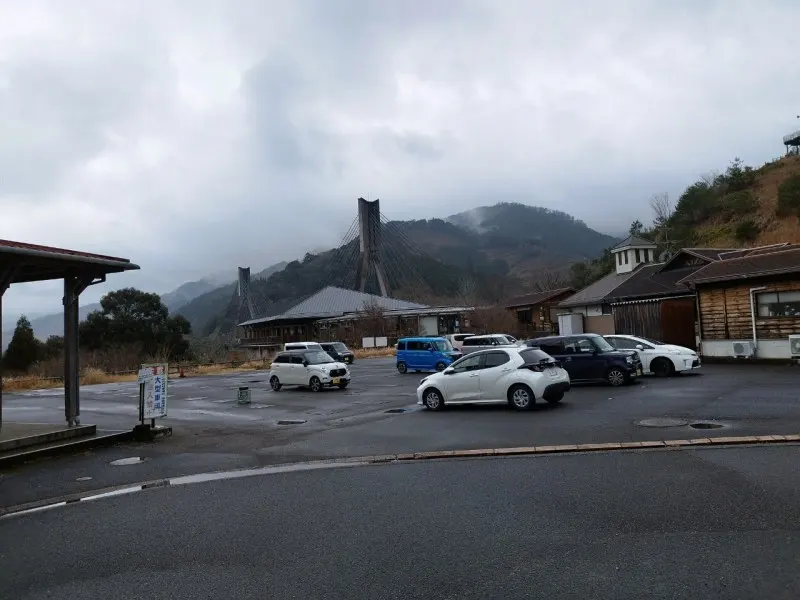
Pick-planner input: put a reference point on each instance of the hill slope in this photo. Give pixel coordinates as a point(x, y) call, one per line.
point(483, 255)
point(741, 207)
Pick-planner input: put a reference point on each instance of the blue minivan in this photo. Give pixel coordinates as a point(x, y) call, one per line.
point(425, 354)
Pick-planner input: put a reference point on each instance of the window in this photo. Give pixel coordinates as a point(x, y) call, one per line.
point(638, 255)
point(297, 360)
point(415, 345)
point(525, 316)
point(401, 345)
point(579, 346)
point(473, 341)
point(647, 256)
point(282, 358)
point(622, 343)
point(443, 346)
point(605, 309)
point(318, 357)
point(779, 304)
point(552, 347)
point(619, 258)
point(626, 257)
point(532, 356)
point(495, 359)
point(470, 363)
point(460, 337)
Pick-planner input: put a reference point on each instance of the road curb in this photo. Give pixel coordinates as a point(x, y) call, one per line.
point(571, 448)
point(122, 489)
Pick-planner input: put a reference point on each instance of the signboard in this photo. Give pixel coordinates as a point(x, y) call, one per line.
point(153, 378)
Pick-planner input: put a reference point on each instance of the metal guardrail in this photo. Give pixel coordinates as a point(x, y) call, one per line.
point(792, 137)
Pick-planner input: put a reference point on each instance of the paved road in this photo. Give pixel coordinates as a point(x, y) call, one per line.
point(212, 433)
point(705, 523)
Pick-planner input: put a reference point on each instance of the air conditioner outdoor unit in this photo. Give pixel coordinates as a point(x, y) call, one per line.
point(794, 347)
point(743, 349)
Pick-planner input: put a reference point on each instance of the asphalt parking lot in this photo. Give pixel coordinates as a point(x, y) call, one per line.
point(378, 414)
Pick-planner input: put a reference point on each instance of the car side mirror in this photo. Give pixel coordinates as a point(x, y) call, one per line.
point(430, 349)
point(449, 371)
point(305, 363)
point(639, 347)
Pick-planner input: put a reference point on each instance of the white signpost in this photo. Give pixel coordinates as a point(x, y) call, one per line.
point(153, 386)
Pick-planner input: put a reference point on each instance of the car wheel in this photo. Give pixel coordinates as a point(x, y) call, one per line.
point(432, 398)
point(662, 367)
point(521, 397)
point(275, 383)
point(616, 377)
point(315, 384)
point(343, 385)
point(401, 366)
point(555, 398)
point(440, 366)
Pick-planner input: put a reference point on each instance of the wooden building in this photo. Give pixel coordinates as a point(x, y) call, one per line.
point(643, 297)
point(537, 313)
point(749, 302)
point(336, 314)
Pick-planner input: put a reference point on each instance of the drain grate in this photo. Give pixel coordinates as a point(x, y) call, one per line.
point(706, 425)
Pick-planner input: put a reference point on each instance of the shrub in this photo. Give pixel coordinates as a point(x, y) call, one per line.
point(747, 231)
point(740, 204)
point(789, 197)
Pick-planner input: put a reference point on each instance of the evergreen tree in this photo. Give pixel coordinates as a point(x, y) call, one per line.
point(23, 349)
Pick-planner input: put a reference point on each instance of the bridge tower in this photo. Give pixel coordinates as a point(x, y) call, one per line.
point(245, 299)
point(369, 232)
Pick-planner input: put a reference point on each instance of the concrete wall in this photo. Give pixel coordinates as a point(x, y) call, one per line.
point(768, 349)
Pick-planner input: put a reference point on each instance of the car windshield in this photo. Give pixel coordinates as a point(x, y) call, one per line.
point(317, 357)
point(339, 347)
point(601, 344)
point(443, 345)
point(654, 342)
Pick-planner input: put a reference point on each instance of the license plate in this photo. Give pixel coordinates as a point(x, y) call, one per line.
point(335, 381)
point(639, 372)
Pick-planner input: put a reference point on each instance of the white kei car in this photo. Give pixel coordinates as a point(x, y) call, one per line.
point(517, 376)
point(657, 357)
point(307, 368)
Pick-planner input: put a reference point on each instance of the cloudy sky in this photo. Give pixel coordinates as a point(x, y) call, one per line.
point(198, 135)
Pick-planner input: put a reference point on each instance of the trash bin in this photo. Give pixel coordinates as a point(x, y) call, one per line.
point(244, 396)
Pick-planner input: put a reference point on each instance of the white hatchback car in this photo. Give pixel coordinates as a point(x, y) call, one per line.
point(518, 376)
point(657, 357)
point(307, 368)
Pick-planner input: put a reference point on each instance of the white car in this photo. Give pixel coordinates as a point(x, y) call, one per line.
point(657, 357)
point(307, 368)
point(457, 339)
point(302, 346)
point(517, 376)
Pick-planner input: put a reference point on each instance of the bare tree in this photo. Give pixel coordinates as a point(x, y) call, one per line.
point(492, 319)
point(662, 208)
point(467, 294)
point(710, 177)
point(550, 280)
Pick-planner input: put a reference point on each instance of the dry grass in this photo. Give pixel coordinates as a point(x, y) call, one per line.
point(92, 375)
point(374, 352)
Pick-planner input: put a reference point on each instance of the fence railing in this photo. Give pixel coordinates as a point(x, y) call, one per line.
point(174, 369)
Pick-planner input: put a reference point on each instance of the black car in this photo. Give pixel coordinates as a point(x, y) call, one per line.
point(338, 351)
point(589, 357)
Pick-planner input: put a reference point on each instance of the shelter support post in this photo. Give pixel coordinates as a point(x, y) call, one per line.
point(73, 288)
point(6, 277)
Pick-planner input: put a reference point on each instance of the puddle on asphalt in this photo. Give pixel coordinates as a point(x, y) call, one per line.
point(706, 425)
point(662, 422)
point(131, 460)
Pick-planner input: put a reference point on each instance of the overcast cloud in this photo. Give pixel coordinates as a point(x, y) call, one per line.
point(194, 136)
